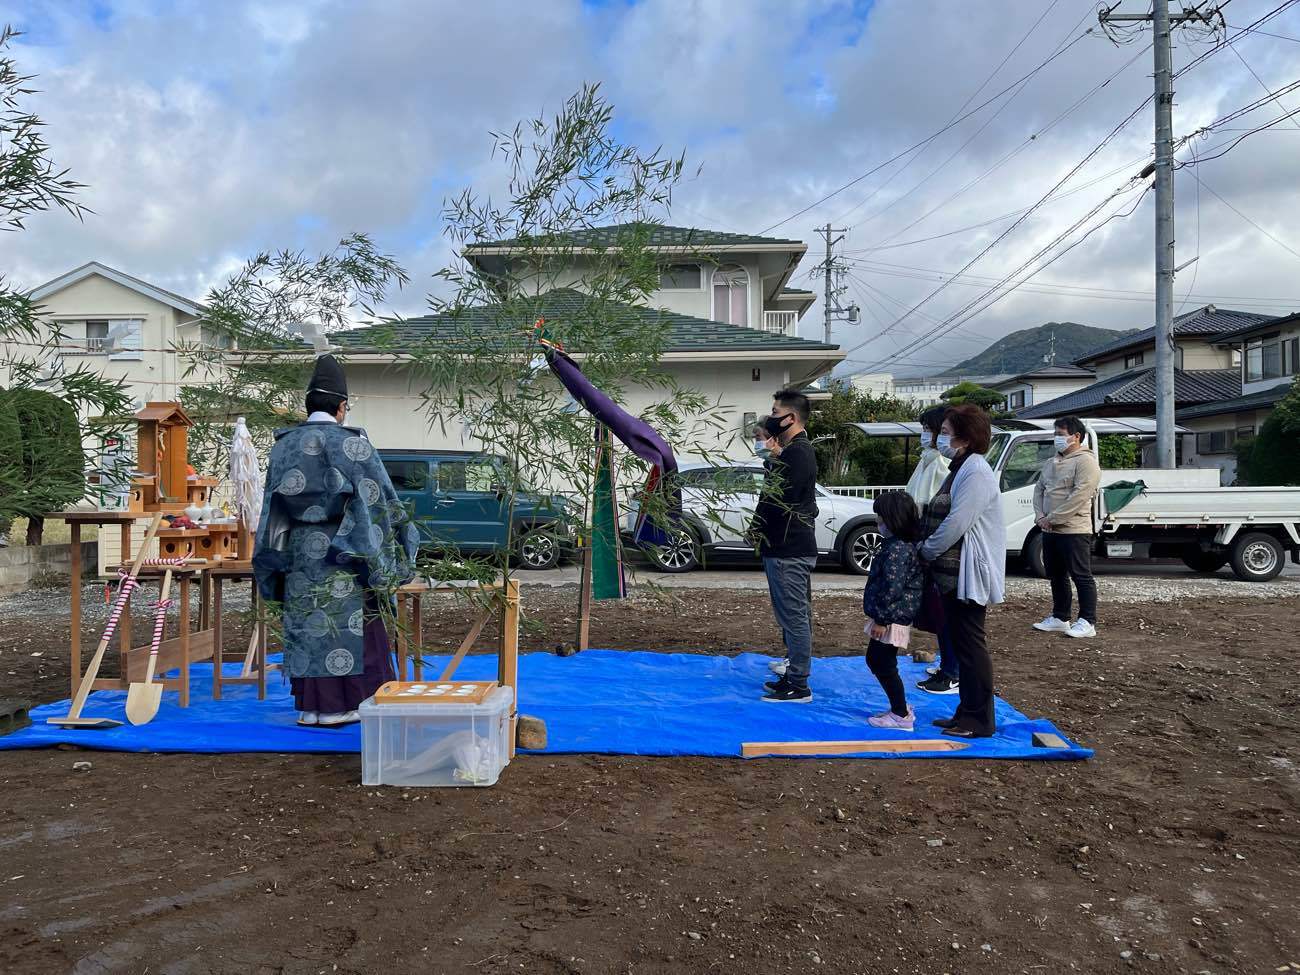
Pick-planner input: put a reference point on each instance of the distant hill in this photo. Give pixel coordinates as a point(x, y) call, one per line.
point(1024, 350)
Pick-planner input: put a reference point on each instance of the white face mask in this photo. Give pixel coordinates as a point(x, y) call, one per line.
point(1062, 443)
point(927, 441)
point(760, 448)
point(945, 446)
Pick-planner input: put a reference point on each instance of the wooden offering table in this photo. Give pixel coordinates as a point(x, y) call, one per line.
point(410, 626)
point(255, 667)
point(104, 519)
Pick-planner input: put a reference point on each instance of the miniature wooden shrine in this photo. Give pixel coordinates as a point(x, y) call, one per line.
point(162, 432)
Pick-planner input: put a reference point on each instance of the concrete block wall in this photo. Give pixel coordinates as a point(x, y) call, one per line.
point(20, 564)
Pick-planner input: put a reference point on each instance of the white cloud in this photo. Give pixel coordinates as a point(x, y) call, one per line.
point(207, 132)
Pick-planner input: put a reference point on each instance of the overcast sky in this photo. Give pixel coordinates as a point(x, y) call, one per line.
point(207, 131)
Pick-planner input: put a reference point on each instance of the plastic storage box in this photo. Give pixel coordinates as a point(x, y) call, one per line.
point(436, 744)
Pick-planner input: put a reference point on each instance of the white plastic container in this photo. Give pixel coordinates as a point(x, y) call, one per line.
point(436, 744)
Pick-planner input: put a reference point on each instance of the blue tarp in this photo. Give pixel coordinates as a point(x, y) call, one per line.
point(609, 702)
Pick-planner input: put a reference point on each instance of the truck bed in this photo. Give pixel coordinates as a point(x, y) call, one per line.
point(1184, 506)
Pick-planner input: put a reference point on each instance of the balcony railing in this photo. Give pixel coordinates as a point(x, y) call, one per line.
point(780, 322)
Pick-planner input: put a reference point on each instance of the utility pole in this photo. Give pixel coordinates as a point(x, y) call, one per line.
point(1050, 358)
point(833, 269)
point(1162, 24)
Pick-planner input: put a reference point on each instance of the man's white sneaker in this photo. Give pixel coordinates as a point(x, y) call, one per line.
point(1052, 625)
point(1081, 630)
point(334, 720)
point(779, 666)
point(307, 717)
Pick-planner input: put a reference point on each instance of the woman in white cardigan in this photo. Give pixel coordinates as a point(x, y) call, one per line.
point(966, 553)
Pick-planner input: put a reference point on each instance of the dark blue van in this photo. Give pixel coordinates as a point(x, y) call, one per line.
point(459, 499)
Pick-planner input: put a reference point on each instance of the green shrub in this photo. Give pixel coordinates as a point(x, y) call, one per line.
point(1116, 452)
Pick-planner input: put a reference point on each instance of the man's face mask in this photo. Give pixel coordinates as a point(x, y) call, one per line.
point(777, 425)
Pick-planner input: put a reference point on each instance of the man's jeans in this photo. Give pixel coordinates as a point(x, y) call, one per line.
point(789, 583)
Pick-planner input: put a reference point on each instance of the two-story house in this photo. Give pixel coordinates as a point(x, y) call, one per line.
point(1268, 354)
point(1042, 385)
point(123, 326)
point(732, 321)
point(1205, 371)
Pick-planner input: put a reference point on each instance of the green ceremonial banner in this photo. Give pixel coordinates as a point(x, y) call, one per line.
point(606, 549)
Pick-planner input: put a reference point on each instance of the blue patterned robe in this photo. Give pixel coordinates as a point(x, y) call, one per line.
point(332, 528)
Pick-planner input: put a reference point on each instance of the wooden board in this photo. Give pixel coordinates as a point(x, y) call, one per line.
point(435, 692)
point(1045, 739)
point(169, 655)
point(757, 749)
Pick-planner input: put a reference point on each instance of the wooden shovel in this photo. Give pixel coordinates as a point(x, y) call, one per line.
point(144, 697)
point(73, 718)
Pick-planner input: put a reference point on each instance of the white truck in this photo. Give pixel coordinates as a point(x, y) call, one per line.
point(1182, 514)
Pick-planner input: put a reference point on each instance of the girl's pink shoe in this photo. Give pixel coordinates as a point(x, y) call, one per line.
point(891, 721)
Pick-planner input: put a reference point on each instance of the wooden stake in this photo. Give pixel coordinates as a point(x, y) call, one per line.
point(757, 749)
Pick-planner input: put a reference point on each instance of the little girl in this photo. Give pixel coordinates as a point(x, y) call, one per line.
point(891, 601)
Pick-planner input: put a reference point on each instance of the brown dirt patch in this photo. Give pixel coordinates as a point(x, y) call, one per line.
point(1177, 845)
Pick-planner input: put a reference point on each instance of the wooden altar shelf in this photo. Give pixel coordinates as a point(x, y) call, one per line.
point(410, 628)
point(254, 666)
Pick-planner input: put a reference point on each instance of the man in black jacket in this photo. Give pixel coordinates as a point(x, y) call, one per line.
point(784, 528)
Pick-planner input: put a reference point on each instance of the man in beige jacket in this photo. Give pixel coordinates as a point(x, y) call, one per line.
point(1063, 510)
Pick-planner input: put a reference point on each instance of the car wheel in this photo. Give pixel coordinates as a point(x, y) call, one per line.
point(1199, 560)
point(537, 549)
point(860, 548)
point(680, 554)
point(1257, 557)
point(1035, 563)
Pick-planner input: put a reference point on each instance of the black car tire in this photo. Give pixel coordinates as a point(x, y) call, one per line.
point(860, 549)
point(681, 554)
point(538, 549)
point(1199, 560)
point(1257, 557)
point(1032, 554)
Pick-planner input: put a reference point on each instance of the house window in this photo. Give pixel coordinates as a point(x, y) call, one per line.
point(731, 295)
point(1016, 400)
point(1245, 433)
point(96, 336)
point(1216, 442)
point(681, 277)
point(1135, 359)
point(1290, 356)
point(1266, 358)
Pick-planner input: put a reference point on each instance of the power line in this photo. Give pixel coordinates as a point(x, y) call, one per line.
point(1031, 140)
point(1209, 189)
point(1246, 65)
point(987, 122)
point(969, 310)
point(926, 141)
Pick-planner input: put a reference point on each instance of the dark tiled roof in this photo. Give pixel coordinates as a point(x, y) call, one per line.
point(1245, 330)
point(1251, 401)
point(658, 236)
point(1052, 372)
point(471, 325)
point(1208, 322)
point(1138, 389)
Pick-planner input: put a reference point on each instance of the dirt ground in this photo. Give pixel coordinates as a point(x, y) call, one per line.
point(1176, 850)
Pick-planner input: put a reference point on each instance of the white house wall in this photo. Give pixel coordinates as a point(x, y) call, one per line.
point(696, 302)
point(386, 405)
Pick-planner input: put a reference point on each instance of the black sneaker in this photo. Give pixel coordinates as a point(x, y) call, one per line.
point(786, 692)
point(939, 684)
point(776, 684)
